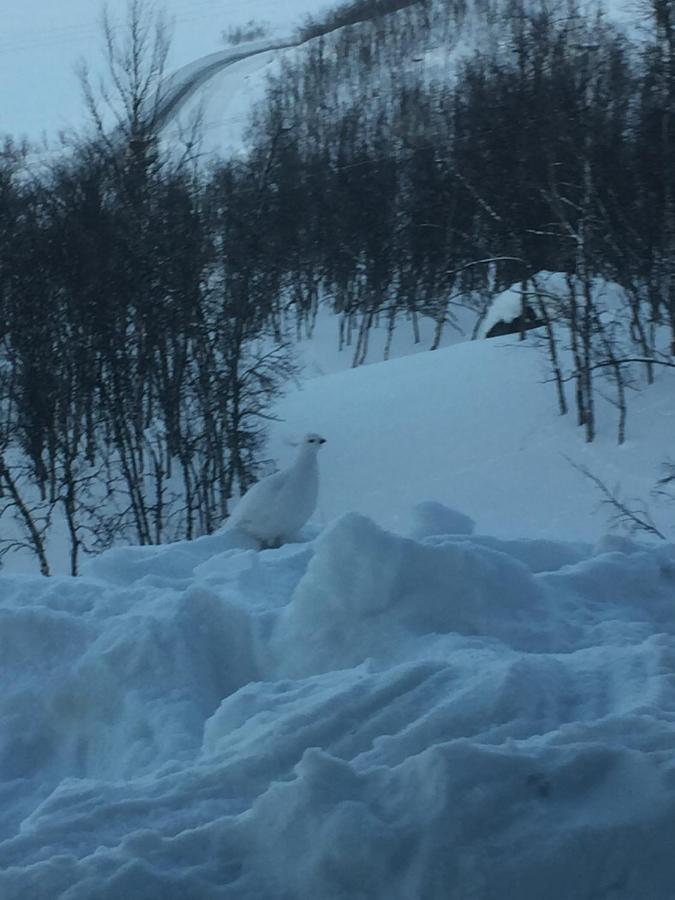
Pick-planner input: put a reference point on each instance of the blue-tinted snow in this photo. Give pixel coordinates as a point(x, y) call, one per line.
point(364, 715)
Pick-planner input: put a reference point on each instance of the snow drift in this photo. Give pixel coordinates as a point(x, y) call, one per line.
point(364, 715)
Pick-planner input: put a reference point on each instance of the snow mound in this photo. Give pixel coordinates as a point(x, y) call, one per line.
point(363, 715)
point(431, 518)
point(552, 289)
point(368, 594)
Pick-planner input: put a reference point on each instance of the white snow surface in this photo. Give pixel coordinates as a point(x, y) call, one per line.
point(476, 427)
point(363, 715)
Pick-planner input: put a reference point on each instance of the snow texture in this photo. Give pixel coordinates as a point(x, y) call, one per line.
point(362, 716)
point(434, 518)
point(476, 426)
point(275, 508)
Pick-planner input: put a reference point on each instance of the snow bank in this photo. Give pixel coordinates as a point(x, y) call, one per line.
point(434, 518)
point(363, 715)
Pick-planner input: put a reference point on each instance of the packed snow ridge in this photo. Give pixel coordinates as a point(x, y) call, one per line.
point(359, 715)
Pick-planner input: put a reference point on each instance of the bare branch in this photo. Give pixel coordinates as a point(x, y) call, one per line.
point(635, 519)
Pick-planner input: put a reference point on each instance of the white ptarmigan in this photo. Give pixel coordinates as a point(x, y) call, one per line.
point(275, 508)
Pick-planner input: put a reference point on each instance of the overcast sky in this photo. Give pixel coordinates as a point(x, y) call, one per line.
point(41, 42)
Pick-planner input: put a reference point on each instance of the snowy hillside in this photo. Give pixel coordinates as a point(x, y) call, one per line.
point(474, 426)
point(41, 48)
point(433, 54)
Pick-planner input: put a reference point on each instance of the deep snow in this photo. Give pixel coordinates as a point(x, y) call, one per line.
point(361, 716)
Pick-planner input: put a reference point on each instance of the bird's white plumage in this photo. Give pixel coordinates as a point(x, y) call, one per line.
point(275, 508)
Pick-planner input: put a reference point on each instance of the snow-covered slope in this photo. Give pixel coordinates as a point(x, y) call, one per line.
point(433, 55)
point(41, 45)
point(475, 426)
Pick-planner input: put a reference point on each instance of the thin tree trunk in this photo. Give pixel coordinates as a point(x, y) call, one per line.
point(25, 513)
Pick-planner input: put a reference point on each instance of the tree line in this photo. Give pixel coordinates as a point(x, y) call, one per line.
point(136, 367)
point(403, 189)
point(146, 300)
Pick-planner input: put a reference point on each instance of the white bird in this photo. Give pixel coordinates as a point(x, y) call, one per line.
point(275, 508)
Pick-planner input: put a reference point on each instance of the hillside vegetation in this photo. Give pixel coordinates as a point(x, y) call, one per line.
point(402, 167)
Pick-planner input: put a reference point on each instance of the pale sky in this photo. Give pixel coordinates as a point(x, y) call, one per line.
point(41, 42)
